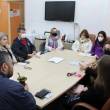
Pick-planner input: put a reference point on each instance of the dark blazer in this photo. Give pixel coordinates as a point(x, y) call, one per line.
point(13, 96)
point(22, 50)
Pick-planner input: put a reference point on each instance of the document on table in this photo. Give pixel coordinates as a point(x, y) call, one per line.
point(22, 64)
point(56, 59)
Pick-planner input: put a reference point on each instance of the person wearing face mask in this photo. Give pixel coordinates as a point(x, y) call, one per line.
point(53, 41)
point(97, 48)
point(83, 44)
point(98, 93)
point(91, 67)
point(22, 47)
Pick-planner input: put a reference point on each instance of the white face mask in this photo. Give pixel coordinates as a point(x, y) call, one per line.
point(100, 39)
point(23, 35)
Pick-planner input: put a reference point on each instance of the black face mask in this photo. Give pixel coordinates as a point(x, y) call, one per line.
point(54, 34)
point(107, 52)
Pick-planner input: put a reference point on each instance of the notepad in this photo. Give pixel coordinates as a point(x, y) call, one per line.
point(56, 59)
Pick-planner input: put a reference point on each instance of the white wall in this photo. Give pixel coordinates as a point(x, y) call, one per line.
point(93, 15)
point(107, 20)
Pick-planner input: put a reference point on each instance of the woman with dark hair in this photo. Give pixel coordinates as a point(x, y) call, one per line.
point(91, 67)
point(99, 92)
point(83, 44)
point(97, 48)
point(103, 75)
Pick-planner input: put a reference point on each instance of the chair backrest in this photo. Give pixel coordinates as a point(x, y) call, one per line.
point(108, 38)
point(106, 106)
point(87, 106)
point(46, 34)
point(92, 37)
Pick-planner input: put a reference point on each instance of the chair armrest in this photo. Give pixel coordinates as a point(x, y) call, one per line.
point(85, 105)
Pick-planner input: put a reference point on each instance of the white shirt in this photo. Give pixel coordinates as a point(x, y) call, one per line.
point(48, 48)
point(84, 47)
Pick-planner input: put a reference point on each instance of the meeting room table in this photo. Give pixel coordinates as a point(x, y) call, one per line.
point(56, 77)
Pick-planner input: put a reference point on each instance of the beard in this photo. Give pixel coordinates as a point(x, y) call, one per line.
point(10, 73)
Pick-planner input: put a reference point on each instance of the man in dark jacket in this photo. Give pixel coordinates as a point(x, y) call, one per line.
point(13, 96)
point(22, 47)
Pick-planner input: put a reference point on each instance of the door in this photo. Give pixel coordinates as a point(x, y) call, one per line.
point(16, 17)
point(4, 18)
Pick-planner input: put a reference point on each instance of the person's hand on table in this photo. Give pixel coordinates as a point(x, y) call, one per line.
point(53, 49)
point(79, 88)
point(38, 54)
point(30, 55)
point(86, 64)
point(97, 57)
point(34, 53)
point(83, 66)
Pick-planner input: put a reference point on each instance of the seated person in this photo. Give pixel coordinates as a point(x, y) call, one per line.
point(83, 44)
point(22, 47)
point(13, 96)
point(4, 46)
point(53, 41)
point(97, 48)
point(107, 47)
point(91, 67)
point(99, 92)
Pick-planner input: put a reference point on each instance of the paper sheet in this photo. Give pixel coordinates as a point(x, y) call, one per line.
point(56, 59)
point(22, 64)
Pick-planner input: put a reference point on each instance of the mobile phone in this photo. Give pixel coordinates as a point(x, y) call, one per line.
point(42, 93)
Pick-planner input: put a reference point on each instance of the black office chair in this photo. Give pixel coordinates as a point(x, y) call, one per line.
point(42, 47)
point(86, 106)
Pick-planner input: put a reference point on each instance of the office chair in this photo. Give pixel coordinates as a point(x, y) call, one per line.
point(85, 106)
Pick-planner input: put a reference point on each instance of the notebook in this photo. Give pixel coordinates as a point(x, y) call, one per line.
point(56, 59)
